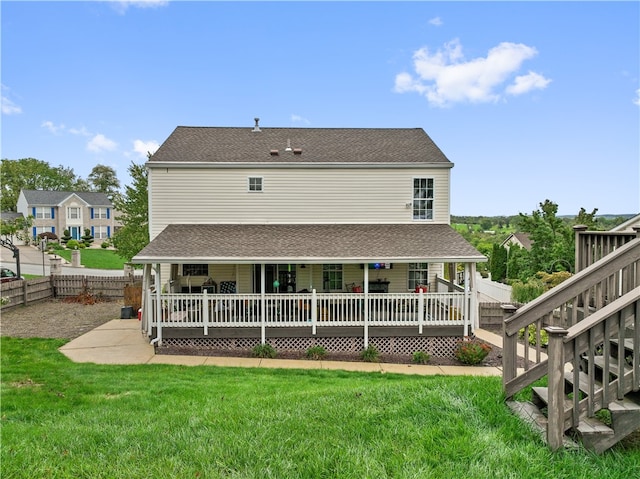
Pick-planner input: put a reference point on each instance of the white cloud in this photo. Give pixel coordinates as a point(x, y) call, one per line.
point(101, 143)
point(82, 131)
point(121, 6)
point(7, 105)
point(437, 21)
point(142, 148)
point(526, 83)
point(445, 77)
point(298, 119)
point(636, 100)
point(55, 129)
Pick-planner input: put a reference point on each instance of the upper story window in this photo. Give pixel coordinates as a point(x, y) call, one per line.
point(43, 213)
point(423, 198)
point(255, 183)
point(102, 213)
point(74, 213)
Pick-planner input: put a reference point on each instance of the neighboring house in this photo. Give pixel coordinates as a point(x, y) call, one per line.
point(57, 211)
point(520, 239)
point(344, 224)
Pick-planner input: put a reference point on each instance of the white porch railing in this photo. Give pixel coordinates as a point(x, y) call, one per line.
point(314, 310)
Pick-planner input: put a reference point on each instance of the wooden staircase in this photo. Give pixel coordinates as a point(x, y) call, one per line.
point(591, 364)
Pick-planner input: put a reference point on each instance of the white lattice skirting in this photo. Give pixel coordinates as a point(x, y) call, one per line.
point(442, 347)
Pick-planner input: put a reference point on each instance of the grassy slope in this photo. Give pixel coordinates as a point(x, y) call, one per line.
point(95, 258)
point(61, 419)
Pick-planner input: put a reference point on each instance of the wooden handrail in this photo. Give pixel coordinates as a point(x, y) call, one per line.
point(572, 287)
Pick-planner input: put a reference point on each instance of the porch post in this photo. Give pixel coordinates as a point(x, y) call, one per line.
point(366, 305)
point(465, 308)
point(146, 299)
point(314, 311)
point(420, 309)
point(473, 285)
point(205, 311)
point(263, 303)
point(158, 304)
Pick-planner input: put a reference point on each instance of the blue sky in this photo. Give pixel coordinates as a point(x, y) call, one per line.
point(529, 100)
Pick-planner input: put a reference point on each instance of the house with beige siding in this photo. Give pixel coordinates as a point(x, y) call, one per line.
point(57, 211)
point(303, 236)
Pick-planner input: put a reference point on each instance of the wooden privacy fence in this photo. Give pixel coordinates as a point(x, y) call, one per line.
point(28, 291)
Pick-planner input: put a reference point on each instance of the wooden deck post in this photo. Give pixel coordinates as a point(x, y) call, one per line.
point(509, 347)
point(555, 376)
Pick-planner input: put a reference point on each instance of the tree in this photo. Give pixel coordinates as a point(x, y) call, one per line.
point(31, 174)
point(134, 208)
point(588, 219)
point(498, 263)
point(103, 179)
point(552, 239)
point(87, 238)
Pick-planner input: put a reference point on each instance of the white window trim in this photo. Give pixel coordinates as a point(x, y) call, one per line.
point(261, 178)
point(433, 198)
point(42, 212)
point(69, 208)
point(409, 269)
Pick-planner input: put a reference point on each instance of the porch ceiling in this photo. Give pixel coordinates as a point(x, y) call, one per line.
point(308, 243)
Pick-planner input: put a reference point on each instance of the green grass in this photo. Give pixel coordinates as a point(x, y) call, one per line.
point(95, 258)
point(67, 420)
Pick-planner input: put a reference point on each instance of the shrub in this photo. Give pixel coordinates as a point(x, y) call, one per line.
point(316, 353)
point(420, 357)
point(471, 351)
point(532, 339)
point(370, 355)
point(73, 244)
point(264, 351)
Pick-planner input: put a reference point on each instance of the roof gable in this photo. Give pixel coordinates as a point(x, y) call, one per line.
point(299, 146)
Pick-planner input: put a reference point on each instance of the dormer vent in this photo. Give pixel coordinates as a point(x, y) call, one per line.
point(274, 152)
point(288, 148)
point(297, 151)
point(256, 128)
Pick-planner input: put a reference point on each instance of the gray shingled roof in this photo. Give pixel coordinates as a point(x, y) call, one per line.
point(317, 145)
point(49, 198)
point(307, 243)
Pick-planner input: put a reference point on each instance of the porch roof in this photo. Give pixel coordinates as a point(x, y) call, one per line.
point(308, 243)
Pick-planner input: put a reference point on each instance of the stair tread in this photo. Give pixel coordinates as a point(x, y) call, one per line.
point(591, 425)
point(628, 343)
point(543, 394)
point(583, 379)
point(613, 365)
point(624, 404)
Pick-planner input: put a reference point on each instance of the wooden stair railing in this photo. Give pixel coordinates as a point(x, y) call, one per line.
point(595, 311)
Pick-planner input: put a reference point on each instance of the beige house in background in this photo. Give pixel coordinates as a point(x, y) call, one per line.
point(56, 211)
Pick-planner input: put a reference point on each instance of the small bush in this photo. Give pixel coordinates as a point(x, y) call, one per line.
point(471, 351)
point(264, 351)
point(532, 339)
point(73, 244)
point(370, 355)
point(420, 357)
point(316, 353)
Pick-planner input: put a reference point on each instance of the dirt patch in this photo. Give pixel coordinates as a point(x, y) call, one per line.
point(56, 318)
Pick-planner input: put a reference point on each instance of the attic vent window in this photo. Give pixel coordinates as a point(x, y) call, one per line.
point(274, 152)
point(297, 151)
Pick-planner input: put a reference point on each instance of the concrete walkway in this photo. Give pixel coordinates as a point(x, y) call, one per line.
point(121, 341)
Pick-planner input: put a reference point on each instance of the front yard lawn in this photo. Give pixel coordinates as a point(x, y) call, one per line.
point(95, 258)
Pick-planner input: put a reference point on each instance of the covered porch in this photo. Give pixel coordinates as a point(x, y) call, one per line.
point(349, 281)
